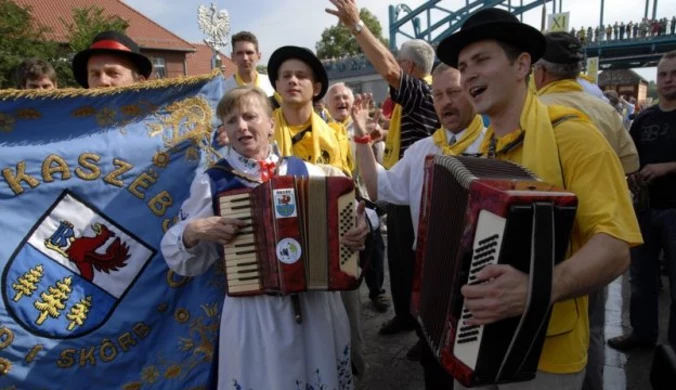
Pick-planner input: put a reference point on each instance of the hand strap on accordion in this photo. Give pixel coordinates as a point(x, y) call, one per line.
point(535, 317)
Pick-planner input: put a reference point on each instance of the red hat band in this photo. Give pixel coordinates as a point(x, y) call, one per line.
point(109, 44)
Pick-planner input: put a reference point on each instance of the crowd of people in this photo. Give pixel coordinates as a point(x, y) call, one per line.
point(620, 31)
point(503, 90)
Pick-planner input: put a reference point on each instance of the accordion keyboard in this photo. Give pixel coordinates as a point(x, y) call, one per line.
point(485, 251)
point(242, 264)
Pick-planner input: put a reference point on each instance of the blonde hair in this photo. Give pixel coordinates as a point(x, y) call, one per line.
point(236, 97)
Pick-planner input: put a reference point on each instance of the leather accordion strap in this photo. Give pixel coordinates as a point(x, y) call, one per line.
point(538, 303)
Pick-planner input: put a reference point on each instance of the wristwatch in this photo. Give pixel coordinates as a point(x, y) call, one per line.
point(358, 27)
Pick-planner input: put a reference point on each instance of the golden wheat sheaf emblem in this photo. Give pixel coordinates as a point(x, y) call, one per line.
point(186, 120)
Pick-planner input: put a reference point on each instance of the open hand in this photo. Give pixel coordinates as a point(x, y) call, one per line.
point(355, 237)
point(503, 295)
point(346, 11)
point(360, 113)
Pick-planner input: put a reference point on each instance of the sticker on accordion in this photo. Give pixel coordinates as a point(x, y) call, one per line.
point(288, 251)
point(285, 203)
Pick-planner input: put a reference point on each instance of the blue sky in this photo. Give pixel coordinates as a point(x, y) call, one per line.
point(301, 22)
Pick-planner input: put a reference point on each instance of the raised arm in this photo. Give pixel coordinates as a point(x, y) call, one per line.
point(377, 53)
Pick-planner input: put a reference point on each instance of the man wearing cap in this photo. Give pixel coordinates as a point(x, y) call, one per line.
point(494, 53)
point(555, 79)
point(112, 60)
point(301, 80)
point(413, 118)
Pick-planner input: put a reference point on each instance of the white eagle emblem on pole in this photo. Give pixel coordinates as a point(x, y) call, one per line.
point(215, 25)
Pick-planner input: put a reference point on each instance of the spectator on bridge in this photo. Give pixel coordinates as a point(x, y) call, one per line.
point(654, 132)
point(590, 33)
point(609, 32)
point(581, 35)
point(36, 73)
point(622, 28)
point(673, 24)
point(616, 31)
point(414, 118)
point(630, 27)
point(636, 28)
point(600, 32)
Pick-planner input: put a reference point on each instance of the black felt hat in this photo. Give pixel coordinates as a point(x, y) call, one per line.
point(299, 53)
point(563, 48)
point(492, 24)
point(110, 42)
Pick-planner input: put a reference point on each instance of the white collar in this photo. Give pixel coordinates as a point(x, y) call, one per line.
point(458, 135)
point(247, 165)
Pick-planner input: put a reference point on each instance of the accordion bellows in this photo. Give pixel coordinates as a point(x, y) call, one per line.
point(292, 243)
point(476, 212)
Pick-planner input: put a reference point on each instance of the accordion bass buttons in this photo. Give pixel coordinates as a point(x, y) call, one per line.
point(486, 249)
point(241, 257)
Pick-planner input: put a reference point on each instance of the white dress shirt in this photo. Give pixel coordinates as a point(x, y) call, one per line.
point(402, 184)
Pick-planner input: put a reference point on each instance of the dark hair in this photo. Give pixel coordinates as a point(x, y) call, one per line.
point(34, 69)
point(244, 36)
point(512, 52)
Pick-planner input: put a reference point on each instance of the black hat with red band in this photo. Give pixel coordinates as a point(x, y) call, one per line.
point(110, 42)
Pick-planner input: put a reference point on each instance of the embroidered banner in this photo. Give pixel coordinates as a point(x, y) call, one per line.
point(89, 182)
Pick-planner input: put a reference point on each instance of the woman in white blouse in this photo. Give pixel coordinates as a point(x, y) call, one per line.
point(261, 345)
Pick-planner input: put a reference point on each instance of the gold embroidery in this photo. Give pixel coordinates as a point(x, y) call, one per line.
point(161, 159)
point(28, 113)
point(84, 111)
point(105, 117)
point(186, 120)
point(81, 92)
point(182, 316)
point(131, 110)
point(6, 122)
point(150, 374)
point(173, 372)
point(5, 366)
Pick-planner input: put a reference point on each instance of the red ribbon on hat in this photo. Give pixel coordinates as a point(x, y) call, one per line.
point(109, 44)
point(267, 169)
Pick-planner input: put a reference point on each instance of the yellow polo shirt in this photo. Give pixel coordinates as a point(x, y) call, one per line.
point(593, 172)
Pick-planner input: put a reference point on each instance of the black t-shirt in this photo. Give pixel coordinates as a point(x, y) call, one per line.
point(654, 133)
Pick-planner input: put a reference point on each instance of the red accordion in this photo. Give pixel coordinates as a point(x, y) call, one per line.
point(293, 241)
point(477, 212)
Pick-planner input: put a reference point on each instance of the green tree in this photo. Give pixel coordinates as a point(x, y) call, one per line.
point(337, 41)
point(21, 38)
point(262, 69)
point(89, 21)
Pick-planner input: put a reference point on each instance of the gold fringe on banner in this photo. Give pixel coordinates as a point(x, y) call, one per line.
point(9, 94)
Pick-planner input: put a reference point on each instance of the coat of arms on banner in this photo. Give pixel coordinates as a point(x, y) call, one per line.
point(71, 270)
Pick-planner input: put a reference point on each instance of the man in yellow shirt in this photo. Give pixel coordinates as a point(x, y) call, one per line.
point(494, 53)
point(301, 80)
point(555, 76)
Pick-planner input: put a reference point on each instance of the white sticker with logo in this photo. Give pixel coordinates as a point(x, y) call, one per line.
point(285, 203)
point(288, 251)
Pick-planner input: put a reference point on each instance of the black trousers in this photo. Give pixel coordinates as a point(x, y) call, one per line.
point(436, 378)
point(401, 259)
point(375, 271)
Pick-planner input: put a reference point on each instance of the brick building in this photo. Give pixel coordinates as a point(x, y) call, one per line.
point(171, 55)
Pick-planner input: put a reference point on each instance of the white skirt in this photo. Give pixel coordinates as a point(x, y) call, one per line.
point(262, 347)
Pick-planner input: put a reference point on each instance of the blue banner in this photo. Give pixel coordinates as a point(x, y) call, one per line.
point(89, 182)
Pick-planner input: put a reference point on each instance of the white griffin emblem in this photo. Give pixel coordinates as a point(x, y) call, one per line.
point(214, 24)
